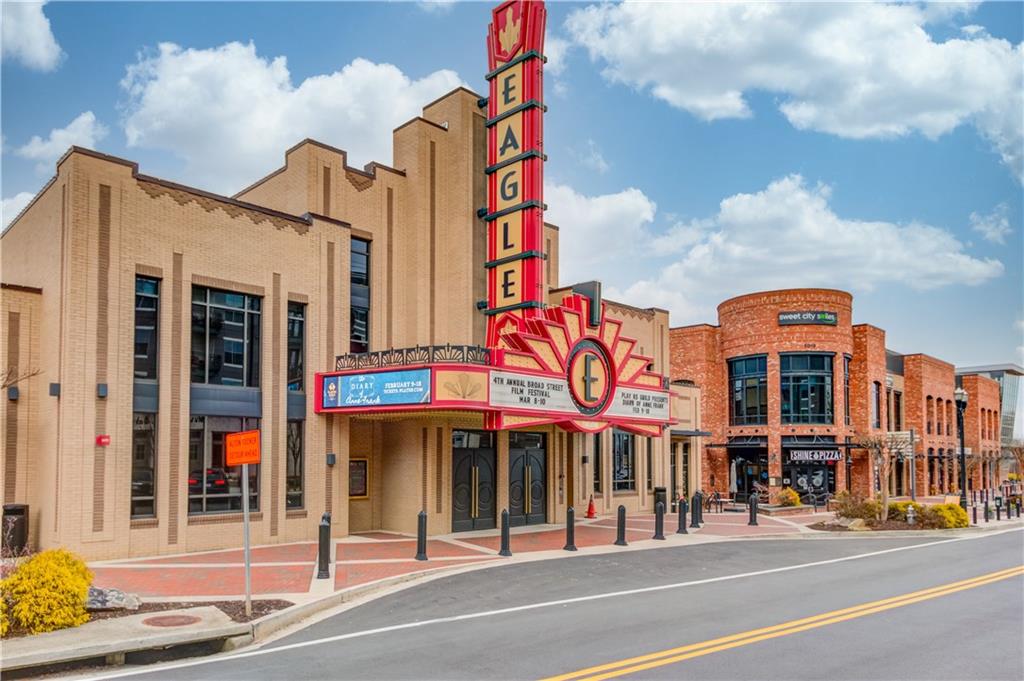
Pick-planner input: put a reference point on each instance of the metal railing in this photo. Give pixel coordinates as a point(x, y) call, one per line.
point(420, 354)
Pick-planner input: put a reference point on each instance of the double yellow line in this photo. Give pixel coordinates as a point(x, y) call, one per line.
point(672, 655)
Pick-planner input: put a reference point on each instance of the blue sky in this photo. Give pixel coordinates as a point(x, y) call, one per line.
point(695, 152)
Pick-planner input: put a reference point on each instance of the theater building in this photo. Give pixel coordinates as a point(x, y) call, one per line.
point(397, 333)
point(791, 389)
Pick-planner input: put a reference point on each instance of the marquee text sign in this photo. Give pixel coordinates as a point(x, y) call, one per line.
point(815, 455)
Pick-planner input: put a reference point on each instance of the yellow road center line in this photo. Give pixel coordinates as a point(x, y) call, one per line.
point(651, 660)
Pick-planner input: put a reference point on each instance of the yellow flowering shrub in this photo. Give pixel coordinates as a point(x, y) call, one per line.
point(5, 623)
point(898, 509)
point(788, 497)
point(48, 592)
point(944, 516)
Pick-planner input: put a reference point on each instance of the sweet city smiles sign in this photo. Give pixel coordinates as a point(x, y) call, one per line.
point(565, 364)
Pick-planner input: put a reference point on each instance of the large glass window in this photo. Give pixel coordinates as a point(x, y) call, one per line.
point(748, 378)
point(143, 465)
point(359, 305)
point(225, 338)
point(597, 462)
point(650, 464)
point(213, 487)
point(876, 405)
point(147, 310)
point(806, 382)
point(846, 389)
point(294, 465)
point(296, 346)
point(623, 461)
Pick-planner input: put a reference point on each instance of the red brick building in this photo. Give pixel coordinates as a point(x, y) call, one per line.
point(791, 386)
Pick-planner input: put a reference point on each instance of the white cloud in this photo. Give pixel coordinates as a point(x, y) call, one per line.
point(592, 158)
point(10, 208)
point(785, 235)
point(84, 131)
point(436, 6)
point(26, 36)
point(995, 226)
point(230, 113)
point(555, 49)
point(598, 233)
point(856, 70)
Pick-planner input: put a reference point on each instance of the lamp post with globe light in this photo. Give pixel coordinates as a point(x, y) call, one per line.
point(960, 395)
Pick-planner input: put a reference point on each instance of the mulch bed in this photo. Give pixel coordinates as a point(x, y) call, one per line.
point(233, 609)
point(875, 526)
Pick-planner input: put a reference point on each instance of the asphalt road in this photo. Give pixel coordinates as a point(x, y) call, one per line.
point(562, 616)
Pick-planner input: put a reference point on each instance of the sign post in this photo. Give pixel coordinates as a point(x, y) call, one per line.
point(242, 449)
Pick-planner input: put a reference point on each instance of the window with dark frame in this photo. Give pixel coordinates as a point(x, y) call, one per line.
point(147, 327)
point(359, 297)
point(650, 464)
point(296, 346)
point(213, 487)
point(806, 388)
point(748, 378)
point(897, 409)
point(597, 462)
point(143, 465)
point(225, 338)
point(846, 389)
point(876, 405)
point(623, 461)
point(294, 465)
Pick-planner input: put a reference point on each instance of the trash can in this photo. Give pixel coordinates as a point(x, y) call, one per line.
point(15, 528)
point(661, 494)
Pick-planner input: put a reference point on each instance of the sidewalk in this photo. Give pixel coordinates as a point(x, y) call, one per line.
point(288, 571)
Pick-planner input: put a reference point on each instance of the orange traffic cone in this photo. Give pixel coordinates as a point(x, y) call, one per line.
point(591, 511)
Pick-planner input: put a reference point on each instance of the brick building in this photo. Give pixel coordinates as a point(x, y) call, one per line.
point(342, 312)
point(790, 387)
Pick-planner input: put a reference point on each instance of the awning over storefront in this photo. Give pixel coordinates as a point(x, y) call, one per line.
point(690, 433)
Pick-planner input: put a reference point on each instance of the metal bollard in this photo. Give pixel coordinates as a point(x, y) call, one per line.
point(986, 511)
point(999, 512)
point(700, 507)
point(421, 536)
point(975, 509)
point(620, 530)
point(753, 509)
point(659, 521)
point(505, 539)
point(695, 511)
point(682, 517)
point(570, 529)
point(324, 555)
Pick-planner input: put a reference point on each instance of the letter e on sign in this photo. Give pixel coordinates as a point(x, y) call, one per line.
point(241, 448)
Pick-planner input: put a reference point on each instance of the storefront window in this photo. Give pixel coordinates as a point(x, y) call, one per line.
point(623, 461)
point(748, 377)
point(650, 464)
point(143, 465)
point(806, 382)
point(147, 336)
point(296, 346)
point(597, 462)
point(294, 465)
point(225, 338)
point(213, 487)
point(359, 303)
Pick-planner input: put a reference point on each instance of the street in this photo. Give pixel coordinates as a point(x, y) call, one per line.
point(588, 616)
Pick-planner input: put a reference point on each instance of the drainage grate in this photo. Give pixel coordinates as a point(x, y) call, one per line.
point(170, 620)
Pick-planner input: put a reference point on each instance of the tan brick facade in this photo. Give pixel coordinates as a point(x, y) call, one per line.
point(72, 258)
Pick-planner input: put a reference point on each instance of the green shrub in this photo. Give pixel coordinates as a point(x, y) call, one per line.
point(787, 497)
point(898, 510)
point(48, 592)
point(943, 516)
point(854, 506)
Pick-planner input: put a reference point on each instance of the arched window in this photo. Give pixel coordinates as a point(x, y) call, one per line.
point(949, 416)
point(929, 414)
point(939, 414)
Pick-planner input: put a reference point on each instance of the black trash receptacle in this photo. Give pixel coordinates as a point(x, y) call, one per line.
point(15, 528)
point(661, 494)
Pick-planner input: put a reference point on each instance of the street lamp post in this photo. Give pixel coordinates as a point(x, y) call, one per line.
point(960, 395)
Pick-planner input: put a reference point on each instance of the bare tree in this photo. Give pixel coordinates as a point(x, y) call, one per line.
point(1016, 449)
point(884, 450)
point(11, 377)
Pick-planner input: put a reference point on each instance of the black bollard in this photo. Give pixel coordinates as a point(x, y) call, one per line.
point(620, 530)
point(695, 511)
point(505, 539)
point(986, 511)
point(753, 509)
point(324, 555)
point(999, 512)
point(570, 529)
point(700, 507)
point(682, 517)
point(975, 510)
point(659, 521)
point(421, 536)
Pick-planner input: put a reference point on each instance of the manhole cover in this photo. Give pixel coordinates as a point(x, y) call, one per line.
point(170, 620)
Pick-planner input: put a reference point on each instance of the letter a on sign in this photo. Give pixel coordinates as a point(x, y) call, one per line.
point(242, 448)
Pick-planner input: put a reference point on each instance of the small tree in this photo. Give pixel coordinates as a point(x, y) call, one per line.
point(884, 450)
point(1016, 449)
point(10, 376)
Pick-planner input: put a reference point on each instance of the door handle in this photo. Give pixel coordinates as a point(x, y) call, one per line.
point(528, 491)
point(476, 491)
